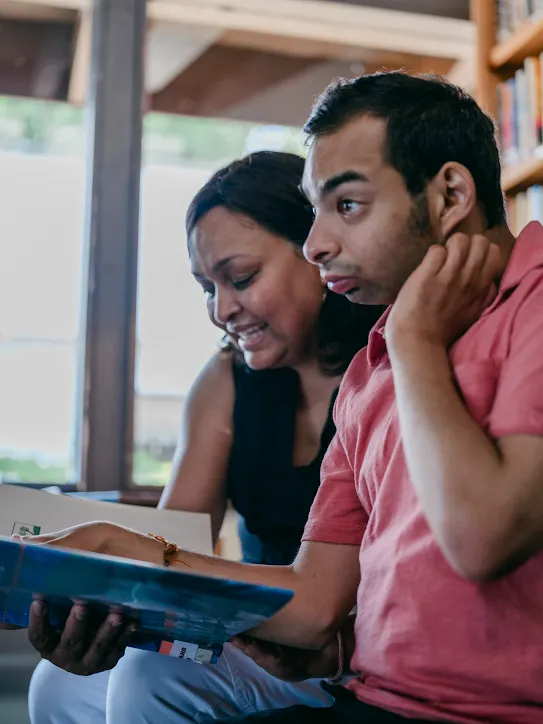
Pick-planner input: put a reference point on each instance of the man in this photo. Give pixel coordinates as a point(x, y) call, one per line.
point(437, 468)
point(431, 501)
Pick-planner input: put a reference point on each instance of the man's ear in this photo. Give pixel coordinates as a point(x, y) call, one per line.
point(452, 197)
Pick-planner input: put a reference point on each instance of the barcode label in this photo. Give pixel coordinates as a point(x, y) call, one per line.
point(184, 650)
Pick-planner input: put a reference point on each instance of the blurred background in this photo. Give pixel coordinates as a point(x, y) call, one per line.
point(219, 83)
point(112, 114)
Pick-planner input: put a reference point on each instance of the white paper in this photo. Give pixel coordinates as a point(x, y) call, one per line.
point(23, 510)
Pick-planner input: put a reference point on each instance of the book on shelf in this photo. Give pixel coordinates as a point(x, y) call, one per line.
point(512, 14)
point(520, 113)
point(525, 206)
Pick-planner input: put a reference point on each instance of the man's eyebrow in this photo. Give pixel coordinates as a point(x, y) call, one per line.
point(333, 182)
point(342, 178)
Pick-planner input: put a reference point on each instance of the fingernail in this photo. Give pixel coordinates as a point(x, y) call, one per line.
point(38, 608)
point(115, 620)
point(80, 613)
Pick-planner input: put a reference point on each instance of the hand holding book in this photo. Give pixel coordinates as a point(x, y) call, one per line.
point(84, 646)
point(170, 606)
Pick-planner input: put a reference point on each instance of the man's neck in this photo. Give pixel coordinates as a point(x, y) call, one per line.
point(502, 237)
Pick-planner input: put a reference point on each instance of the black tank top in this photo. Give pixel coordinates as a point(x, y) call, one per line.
point(272, 497)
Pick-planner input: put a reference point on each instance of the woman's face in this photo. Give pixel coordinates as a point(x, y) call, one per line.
point(259, 289)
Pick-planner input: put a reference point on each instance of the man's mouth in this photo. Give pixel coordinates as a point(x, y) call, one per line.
point(342, 285)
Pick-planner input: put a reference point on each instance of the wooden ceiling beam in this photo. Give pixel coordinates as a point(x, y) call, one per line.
point(16, 10)
point(328, 22)
point(315, 20)
point(201, 91)
point(369, 60)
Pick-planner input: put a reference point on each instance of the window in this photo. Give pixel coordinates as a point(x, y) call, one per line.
point(41, 244)
point(174, 335)
point(42, 334)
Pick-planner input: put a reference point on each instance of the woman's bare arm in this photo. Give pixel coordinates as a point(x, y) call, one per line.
point(198, 481)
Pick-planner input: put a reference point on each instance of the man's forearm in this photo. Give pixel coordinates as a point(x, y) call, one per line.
point(454, 467)
point(298, 624)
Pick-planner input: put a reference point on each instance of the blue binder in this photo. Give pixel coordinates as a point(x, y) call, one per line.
point(172, 608)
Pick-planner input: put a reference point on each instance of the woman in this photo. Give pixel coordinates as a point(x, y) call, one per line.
point(256, 425)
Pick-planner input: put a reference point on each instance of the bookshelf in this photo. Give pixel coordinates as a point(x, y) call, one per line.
point(522, 175)
point(525, 42)
point(509, 82)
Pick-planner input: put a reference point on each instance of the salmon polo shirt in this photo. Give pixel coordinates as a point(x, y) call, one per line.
point(430, 644)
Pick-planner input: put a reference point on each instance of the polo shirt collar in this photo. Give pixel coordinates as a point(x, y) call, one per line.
point(526, 256)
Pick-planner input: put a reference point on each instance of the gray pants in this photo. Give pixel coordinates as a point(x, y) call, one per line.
point(148, 688)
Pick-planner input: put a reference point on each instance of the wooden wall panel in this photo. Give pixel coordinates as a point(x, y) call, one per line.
point(226, 76)
point(35, 58)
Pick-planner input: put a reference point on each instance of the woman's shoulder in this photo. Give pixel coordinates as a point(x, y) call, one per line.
point(215, 381)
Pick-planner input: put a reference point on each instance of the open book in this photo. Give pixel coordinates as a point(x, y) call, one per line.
point(179, 614)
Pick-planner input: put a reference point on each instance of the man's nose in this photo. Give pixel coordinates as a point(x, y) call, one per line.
point(321, 246)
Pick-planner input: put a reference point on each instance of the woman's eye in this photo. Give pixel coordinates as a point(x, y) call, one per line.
point(209, 291)
point(243, 282)
point(348, 206)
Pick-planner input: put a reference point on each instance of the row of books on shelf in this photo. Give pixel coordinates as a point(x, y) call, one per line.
point(520, 113)
point(511, 14)
point(524, 207)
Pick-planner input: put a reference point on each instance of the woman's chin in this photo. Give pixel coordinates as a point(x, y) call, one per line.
point(261, 360)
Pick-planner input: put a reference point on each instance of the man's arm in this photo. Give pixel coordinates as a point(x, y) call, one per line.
point(482, 496)
point(483, 499)
point(324, 578)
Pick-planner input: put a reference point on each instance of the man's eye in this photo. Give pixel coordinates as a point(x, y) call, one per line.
point(348, 206)
point(209, 291)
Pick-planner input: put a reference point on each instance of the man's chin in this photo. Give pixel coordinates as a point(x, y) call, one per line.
point(360, 295)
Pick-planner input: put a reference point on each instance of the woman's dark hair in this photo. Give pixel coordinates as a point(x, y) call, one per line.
point(265, 187)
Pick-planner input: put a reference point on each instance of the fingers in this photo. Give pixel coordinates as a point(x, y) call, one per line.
point(458, 250)
point(108, 644)
point(45, 537)
point(80, 648)
point(116, 654)
point(75, 637)
point(40, 633)
point(434, 260)
point(262, 653)
point(472, 263)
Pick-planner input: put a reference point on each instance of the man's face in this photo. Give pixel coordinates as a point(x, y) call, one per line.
point(369, 234)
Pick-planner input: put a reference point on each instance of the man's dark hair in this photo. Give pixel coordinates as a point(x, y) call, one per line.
point(429, 123)
point(264, 186)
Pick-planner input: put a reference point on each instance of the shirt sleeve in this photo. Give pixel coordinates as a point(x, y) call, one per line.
point(518, 405)
point(337, 515)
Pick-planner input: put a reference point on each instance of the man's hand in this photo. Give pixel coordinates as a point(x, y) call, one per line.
point(290, 664)
point(448, 292)
point(84, 647)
